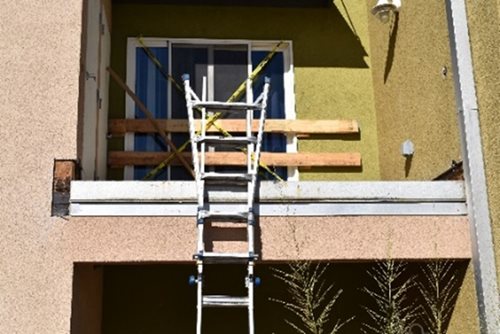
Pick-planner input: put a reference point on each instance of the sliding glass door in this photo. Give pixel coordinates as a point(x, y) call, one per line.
point(224, 67)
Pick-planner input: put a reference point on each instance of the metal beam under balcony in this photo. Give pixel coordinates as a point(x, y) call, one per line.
point(244, 3)
point(178, 198)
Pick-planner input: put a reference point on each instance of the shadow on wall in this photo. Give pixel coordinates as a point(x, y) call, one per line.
point(332, 42)
point(321, 36)
point(393, 35)
point(157, 298)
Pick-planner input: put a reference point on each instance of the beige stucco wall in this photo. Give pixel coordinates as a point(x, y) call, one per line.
point(286, 238)
point(40, 63)
point(413, 99)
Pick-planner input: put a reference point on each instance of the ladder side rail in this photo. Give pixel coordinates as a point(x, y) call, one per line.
point(251, 288)
point(249, 118)
point(256, 156)
point(192, 132)
point(250, 182)
point(189, 94)
point(251, 198)
point(262, 119)
point(250, 146)
point(199, 296)
point(203, 125)
point(255, 166)
point(194, 149)
point(201, 183)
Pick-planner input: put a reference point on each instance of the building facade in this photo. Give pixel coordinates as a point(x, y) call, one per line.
point(88, 247)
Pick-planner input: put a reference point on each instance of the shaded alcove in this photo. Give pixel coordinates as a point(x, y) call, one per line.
point(156, 298)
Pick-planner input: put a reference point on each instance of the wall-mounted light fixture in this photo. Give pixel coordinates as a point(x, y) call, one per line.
point(407, 148)
point(383, 9)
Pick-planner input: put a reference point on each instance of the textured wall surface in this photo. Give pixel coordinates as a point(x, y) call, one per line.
point(39, 67)
point(40, 58)
point(413, 99)
point(485, 38)
point(330, 51)
point(465, 315)
point(286, 238)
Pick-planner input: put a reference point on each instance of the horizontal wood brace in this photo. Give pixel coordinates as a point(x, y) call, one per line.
point(117, 159)
point(118, 127)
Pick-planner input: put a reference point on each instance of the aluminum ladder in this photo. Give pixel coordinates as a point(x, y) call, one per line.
point(251, 145)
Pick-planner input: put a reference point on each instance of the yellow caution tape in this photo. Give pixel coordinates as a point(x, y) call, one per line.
point(212, 119)
point(158, 65)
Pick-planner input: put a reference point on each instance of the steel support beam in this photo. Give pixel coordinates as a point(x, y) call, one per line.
point(475, 179)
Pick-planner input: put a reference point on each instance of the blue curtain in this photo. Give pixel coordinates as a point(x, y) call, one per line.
point(192, 60)
point(276, 104)
point(151, 87)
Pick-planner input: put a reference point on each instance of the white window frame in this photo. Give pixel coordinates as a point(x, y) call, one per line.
point(253, 45)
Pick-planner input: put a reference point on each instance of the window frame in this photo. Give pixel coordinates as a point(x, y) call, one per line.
point(253, 45)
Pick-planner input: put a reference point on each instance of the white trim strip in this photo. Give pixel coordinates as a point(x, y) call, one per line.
point(178, 198)
point(272, 210)
point(283, 192)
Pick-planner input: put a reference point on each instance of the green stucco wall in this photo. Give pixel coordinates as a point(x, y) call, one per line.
point(330, 51)
point(465, 316)
point(414, 99)
point(484, 29)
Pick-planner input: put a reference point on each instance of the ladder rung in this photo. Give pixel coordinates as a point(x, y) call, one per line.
point(212, 257)
point(214, 176)
point(224, 301)
point(226, 140)
point(235, 106)
point(206, 214)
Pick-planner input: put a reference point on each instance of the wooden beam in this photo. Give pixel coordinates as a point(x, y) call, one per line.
point(118, 159)
point(150, 118)
point(64, 172)
point(118, 127)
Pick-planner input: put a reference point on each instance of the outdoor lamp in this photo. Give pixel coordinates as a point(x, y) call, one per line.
point(382, 10)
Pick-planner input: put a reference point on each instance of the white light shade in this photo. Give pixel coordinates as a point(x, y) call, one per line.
point(382, 10)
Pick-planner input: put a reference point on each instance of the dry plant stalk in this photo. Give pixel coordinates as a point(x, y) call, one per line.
point(439, 289)
point(393, 313)
point(311, 298)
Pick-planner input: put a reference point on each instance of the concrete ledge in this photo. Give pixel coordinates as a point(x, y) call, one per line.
point(178, 198)
point(309, 191)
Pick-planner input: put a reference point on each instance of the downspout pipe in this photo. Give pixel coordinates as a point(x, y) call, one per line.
point(483, 253)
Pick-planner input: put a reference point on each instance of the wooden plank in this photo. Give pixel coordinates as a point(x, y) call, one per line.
point(118, 159)
point(118, 127)
point(150, 118)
